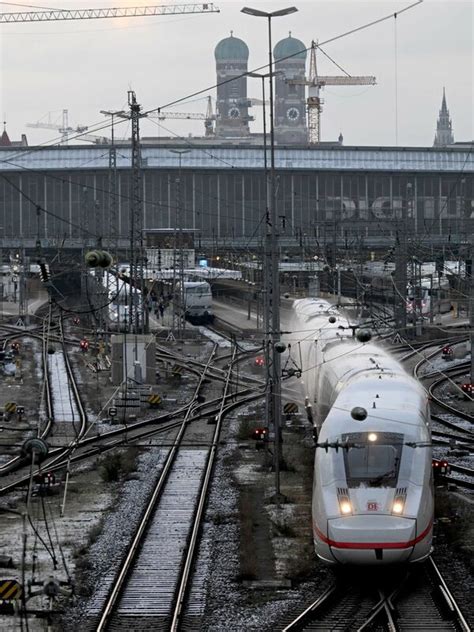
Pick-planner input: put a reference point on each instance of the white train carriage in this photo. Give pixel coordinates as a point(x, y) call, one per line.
point(432, 295)
point(194, 301)
point(372, 489)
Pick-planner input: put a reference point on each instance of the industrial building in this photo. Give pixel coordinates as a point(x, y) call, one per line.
point(325, 191)
point(61, 194)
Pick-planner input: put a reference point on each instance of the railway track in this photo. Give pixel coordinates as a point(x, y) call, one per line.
point(55, 400)
point(463, 476)
point(150, 589)
point(415, 599)
point(87, 447)
point(165, 357)
point(437, 384)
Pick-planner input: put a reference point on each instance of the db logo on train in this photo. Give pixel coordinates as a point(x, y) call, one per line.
point(372, 505)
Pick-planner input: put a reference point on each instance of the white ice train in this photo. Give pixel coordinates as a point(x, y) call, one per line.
point(372, 490)
point(194, 299)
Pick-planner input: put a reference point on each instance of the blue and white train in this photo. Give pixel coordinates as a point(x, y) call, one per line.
point(373, 500)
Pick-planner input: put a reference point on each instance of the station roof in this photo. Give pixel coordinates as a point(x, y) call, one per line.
point(231, 157)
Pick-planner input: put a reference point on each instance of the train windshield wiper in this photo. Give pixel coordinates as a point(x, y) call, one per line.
point(379, 479)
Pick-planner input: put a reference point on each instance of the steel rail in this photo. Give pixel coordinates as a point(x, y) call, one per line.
point(451, 424)
point(435, 352)
point(120, 581)
point(462, 469)
point(458, 439)
point(73, 385)
point(49, 404)
point(447, 595)
point(221, 373)
point(58, 453)
point(454, 411)
point(461, 365)
point(460, 482)
point(384, 604)
point(56, 465)
point(16, 460)
point(191, 549)
point(301, 620)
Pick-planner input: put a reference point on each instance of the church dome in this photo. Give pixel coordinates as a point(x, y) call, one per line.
point(289, 46)
point(231, 48)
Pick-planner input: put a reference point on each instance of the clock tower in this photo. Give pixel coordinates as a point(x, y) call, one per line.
point(233, 117)
point(290, 106)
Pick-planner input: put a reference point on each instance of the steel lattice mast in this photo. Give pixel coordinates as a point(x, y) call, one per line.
point(137, 311)
point(120, 12)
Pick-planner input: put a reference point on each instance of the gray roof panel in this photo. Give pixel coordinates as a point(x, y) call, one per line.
point(204, 156)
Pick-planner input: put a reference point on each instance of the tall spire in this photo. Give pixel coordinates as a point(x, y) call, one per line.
point(4, 139)
point(444, 132)
point(444, 107)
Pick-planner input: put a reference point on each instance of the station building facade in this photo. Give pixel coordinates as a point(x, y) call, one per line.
point(64, 193)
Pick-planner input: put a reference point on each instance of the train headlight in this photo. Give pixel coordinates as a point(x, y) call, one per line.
point(397, 507)
point(372, 436)
point(345, 507)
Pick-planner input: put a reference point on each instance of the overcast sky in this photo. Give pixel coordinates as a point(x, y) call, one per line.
point(88, 66)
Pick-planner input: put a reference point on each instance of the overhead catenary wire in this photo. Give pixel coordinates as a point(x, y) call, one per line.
point(342, 35)
point(93, 129)
point(266, 66)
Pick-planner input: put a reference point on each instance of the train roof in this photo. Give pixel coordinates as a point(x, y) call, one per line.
point(188, 284)
point(394, 403)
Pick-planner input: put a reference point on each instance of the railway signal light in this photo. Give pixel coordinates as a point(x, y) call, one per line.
point(84, 344)
point(260, 436)
point(440, 468)
point(468, 390)
point(447, 352)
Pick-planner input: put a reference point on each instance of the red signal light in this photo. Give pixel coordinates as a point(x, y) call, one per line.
point(259, 434)
point(441, 466)
point(467, 388)
point(259, 361)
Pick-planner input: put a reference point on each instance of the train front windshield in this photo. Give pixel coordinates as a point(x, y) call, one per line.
point(198, 290)
point(373, 460)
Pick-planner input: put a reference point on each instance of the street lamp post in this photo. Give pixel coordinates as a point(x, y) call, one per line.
point(272, 303)
point(265, 175)
point(179, 218)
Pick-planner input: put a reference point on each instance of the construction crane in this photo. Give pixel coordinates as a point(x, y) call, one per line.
point(93, 14)
point(65, 129)
point(209, 117)
point(315, 82)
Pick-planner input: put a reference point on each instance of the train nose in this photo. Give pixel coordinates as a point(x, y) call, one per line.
point(371, 539)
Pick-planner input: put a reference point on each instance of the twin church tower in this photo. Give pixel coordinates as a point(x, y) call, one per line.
point(233, 103)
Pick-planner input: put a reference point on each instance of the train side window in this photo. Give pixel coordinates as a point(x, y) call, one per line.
point(330, 466)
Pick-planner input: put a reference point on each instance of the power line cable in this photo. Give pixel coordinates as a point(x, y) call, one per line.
point(235, 78)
